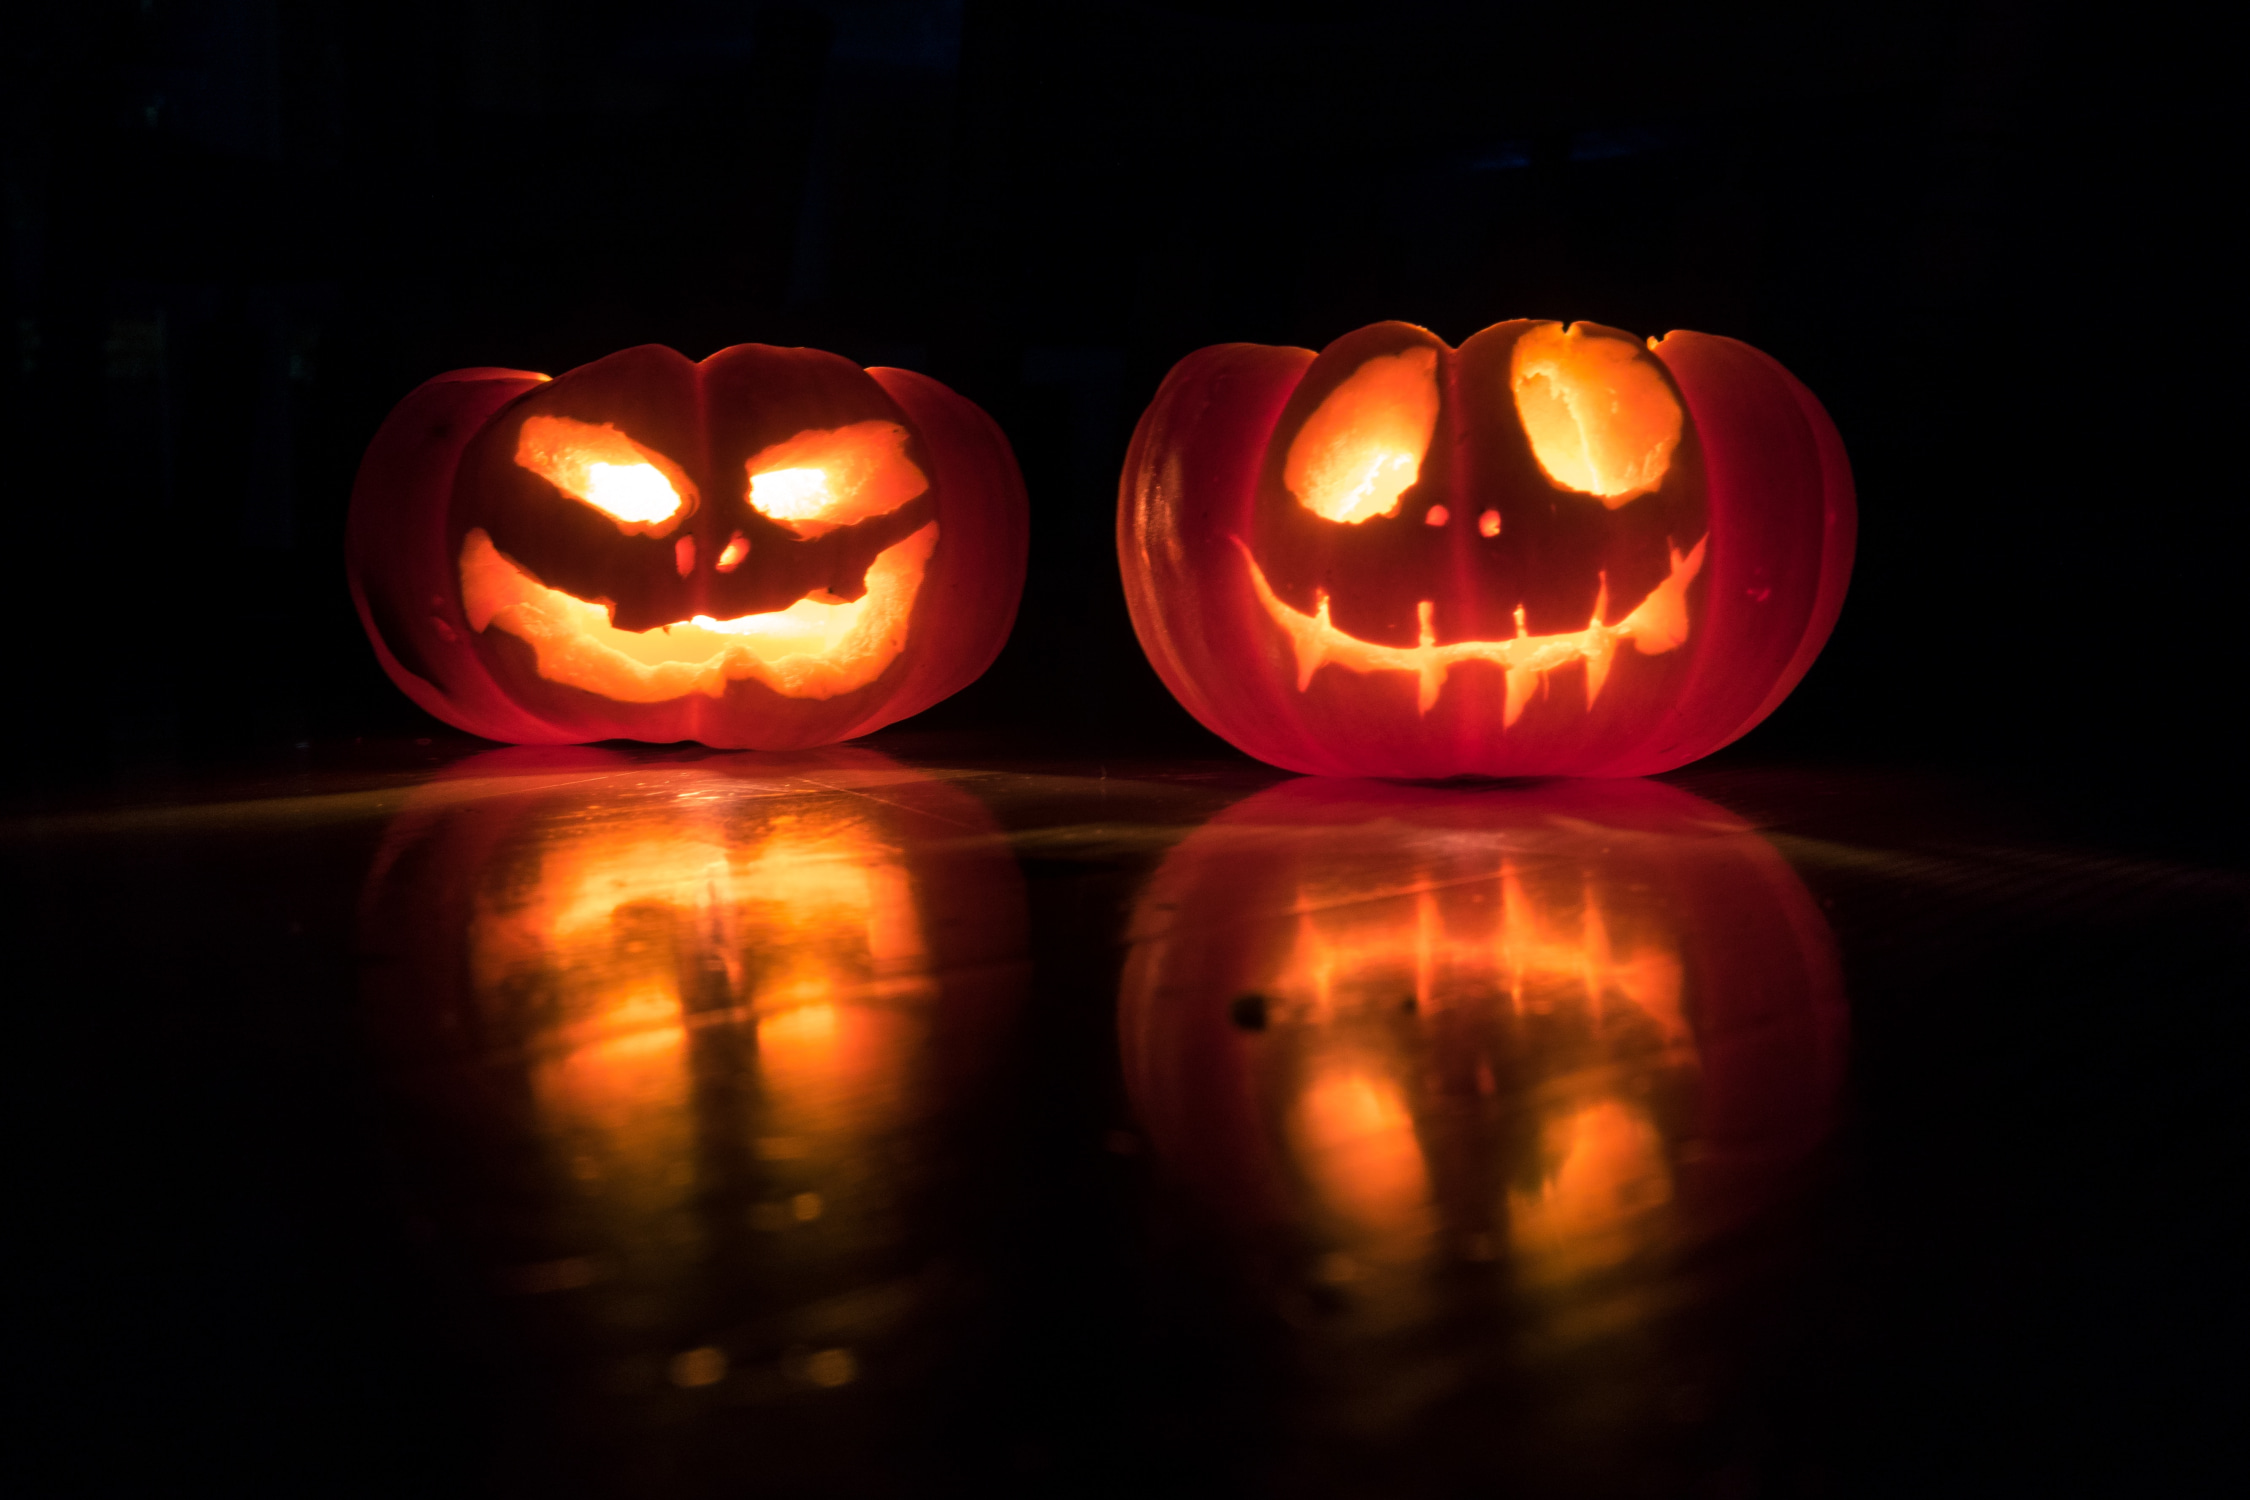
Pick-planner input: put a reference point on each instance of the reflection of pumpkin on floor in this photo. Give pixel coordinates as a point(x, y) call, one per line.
point(1556, 1033)
point(691, 1046)
point(720, 1014)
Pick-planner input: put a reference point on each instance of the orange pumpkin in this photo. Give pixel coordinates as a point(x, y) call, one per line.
point(771, 549)
point(1552, 551)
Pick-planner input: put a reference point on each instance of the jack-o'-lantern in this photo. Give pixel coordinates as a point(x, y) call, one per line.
point(1473, 1079)
point(687, 1054)
point(771, 549)
point(1551, 551)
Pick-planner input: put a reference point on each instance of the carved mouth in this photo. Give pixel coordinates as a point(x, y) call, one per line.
point(816, 648)
point(1657, 625)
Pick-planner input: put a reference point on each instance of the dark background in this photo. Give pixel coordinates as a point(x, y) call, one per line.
point(1986, 236)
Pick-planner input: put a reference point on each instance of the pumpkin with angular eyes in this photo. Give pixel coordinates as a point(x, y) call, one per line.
point(771, 549)
point(1552, 551)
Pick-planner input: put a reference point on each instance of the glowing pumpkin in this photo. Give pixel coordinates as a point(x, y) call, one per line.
point(681, 1055)
point(1550, 551)
point(1394, 1034)
point(771, 549)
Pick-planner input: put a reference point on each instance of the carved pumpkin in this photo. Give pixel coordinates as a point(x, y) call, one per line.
point(681, 1056)
point(1552, 551)
point(771, 549)
point(1560, 1034)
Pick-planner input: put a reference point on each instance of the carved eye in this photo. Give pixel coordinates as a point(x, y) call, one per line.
point(830, 477)
point(1362, 447)
point(638, 488)
point(1601, 419)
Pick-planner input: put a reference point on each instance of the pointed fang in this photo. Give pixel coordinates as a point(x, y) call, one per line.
point(1431, 678)
point(1521, 682)
point(1312, 648)
point(1598, 662)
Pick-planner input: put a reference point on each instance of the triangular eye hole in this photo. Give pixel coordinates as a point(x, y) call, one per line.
point(638, 488)
point(1601, 417)
point(834, 476)
point(1362, 448)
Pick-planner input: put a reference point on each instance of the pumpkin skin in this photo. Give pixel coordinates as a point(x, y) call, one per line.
point(1382, 1021)
point(1497, 620)
point(513, 607)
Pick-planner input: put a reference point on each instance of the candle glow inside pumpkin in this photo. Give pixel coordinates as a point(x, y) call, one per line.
point(817, 647)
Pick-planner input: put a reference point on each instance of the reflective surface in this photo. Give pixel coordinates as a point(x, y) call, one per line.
point(683, 1053)
point(1485, 1085)
point(931, 1122)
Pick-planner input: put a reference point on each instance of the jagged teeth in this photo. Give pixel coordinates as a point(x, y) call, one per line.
point(1656, 625)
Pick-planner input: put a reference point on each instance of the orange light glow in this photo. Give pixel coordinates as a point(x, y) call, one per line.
point(643, 929)
point(732, 554)
point(1470, 941)
point(1523, 1060)
point(1601, 418)
point(691, 1048)
point(1356, 1138)
point(1605, 1173)
point(830, 477)
point(637, 487)
point(1362, 448)
point(816, 648)
point(1488, 524)
point(1478, 926)
point(1660, 623)
point(829, 1067)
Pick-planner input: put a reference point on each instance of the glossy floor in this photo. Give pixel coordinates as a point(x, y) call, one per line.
point(662, 1123)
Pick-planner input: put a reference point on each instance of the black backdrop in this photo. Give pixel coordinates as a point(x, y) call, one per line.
point(1986, 236)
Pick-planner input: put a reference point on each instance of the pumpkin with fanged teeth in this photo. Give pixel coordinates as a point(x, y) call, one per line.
point(1552, 551)
point(771, 549)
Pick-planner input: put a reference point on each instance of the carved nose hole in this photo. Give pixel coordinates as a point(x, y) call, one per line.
point(1437, 515)
point(1488, 524)
point(683, 555)
point(731, 556)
